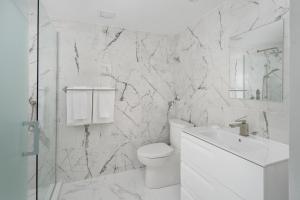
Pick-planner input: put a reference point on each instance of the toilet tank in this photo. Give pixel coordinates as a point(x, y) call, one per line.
point(176, 127)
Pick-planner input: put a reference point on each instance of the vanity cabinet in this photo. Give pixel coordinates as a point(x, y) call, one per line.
point(209, 172)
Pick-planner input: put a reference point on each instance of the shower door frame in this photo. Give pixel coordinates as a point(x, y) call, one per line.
point(38, 118)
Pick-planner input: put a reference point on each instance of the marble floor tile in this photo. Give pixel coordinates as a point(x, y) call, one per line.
point(127, 185)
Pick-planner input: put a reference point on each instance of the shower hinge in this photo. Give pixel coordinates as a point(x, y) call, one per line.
point(33, 127)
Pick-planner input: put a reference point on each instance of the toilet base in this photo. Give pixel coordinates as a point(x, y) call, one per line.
point(165, 175)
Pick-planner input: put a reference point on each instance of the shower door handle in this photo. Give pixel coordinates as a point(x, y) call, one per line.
point(35, 129)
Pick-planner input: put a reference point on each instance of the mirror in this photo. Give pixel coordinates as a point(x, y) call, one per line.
point(256, 64)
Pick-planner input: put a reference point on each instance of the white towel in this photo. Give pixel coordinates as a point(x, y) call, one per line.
point(79, 104)
point(104, 103)
point(79, 107)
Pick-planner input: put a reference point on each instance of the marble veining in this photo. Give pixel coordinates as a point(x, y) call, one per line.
point(157, 77)
point(86, 145)
point(117, 35)
point(139, 66)
point(125, 185)
point(266, 132)
point(202, 77)
point(76, 58)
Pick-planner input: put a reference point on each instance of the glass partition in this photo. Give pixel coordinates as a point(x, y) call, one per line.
point(22, 140)
point(47, 65)
point(13, 106)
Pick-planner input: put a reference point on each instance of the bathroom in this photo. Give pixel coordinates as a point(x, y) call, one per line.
point(149, 100)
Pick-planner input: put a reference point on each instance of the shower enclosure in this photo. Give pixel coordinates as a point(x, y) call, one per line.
point(28, 60)
point(47, 80)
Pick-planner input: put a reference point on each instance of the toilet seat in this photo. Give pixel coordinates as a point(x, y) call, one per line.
point(162, 161)
point(156, 150)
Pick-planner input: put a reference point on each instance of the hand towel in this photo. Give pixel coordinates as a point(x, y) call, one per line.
point(104, 103)
point(79, 107)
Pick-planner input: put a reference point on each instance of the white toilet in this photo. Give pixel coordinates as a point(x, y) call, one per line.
point(161, 160)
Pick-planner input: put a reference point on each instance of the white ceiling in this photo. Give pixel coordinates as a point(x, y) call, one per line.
point(158, 16)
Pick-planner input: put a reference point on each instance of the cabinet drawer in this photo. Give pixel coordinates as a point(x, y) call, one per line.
point(237, 174)
point(199, 187)
point(199, 156)
point(196, 185)
point(241, 176)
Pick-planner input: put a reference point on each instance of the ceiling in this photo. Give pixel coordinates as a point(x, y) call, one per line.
point(157, 16)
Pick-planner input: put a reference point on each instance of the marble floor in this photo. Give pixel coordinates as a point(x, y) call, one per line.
point(122, 186)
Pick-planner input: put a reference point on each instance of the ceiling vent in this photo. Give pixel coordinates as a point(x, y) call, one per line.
point(107, 14)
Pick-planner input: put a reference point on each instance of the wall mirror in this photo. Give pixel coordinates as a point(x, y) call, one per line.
point(256, 64)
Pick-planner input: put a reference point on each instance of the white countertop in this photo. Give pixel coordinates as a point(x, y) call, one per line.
point(258, 150)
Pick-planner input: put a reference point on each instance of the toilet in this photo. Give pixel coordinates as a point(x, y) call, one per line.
point(162, 161)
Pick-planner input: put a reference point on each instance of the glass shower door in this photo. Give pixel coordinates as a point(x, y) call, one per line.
point(47, 81)
point(13, 102)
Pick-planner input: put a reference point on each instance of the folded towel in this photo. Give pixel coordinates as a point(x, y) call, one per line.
point(104, 102)
point(79, 104)
point(79, 107)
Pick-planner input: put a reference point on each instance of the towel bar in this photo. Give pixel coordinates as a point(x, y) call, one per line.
point(65, 89)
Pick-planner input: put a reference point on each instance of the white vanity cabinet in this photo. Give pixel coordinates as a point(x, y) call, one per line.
point(211, 172)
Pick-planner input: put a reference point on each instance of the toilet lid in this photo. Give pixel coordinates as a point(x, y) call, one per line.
point(156, 150)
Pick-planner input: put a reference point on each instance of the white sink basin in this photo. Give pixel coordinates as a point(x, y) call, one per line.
point(255, 149)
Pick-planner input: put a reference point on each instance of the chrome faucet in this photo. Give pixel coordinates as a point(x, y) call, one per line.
point(244, 126)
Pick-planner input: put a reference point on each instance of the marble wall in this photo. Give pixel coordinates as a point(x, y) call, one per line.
point(158, 77)
point(139, 66)
point(202, 72)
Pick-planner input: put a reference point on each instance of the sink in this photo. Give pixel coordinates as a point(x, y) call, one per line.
point(256, 149)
